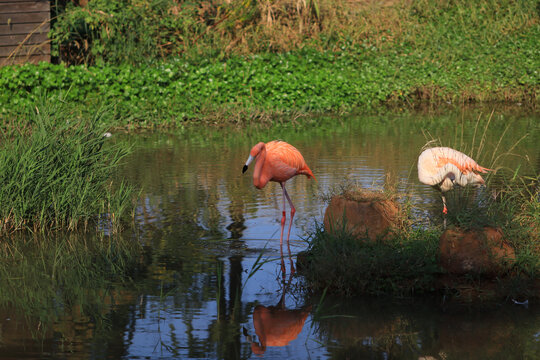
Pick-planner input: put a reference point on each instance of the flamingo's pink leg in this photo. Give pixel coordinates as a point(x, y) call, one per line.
point(293, 211)
point(445, 210)
point(283, 219)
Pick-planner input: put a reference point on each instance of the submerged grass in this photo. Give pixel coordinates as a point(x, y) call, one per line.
point(44, 277)
point(56, 173)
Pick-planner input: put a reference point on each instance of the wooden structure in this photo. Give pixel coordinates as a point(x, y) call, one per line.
point(24, 25)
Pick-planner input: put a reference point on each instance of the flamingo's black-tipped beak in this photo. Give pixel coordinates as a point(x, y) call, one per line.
point(249, 160)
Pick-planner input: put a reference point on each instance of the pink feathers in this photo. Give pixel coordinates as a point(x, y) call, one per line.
point(443, 167)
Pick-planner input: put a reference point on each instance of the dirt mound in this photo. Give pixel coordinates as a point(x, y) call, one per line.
point(477, 251)
point(363, 214)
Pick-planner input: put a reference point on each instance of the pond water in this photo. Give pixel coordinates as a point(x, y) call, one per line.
point(212, 286)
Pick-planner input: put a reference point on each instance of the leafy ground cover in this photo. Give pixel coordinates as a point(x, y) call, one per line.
point(181, 91)
point(168, 63)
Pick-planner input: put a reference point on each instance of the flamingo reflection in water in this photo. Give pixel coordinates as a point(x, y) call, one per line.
point(276, 325)
point(278, 161)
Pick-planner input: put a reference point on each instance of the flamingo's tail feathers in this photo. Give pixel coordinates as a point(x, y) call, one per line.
point(482, 169)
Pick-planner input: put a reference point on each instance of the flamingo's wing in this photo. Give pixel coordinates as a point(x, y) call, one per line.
point(464, 163)
point(464, 167)
point(286, 159)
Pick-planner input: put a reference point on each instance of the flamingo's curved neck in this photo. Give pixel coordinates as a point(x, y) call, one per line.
point(257, 171)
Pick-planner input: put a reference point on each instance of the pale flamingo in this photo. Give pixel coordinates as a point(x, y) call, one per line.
point(278, 161)
point(443, 167)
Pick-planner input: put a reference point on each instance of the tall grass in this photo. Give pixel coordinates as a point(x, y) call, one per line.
point(407, 263)
point(496, 204)
point(57, 174)
point(510, 200)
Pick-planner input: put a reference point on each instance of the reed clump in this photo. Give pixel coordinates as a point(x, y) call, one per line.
point(348, 262)
point(407, 262)
point(57, 173)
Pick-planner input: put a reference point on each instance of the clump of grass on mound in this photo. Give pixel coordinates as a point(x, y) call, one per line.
point(394, 206)
point(56, 174)
point(343, 264)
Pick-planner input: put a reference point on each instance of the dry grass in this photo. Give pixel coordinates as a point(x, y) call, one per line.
point(246, 27)
point(361, 195)
point(284, 25)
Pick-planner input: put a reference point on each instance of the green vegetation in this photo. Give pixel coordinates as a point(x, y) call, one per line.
point(157, 63)
point(56, 173)
point(165, 63)
point(140, 31)
point(406, 263)
point(343, 264)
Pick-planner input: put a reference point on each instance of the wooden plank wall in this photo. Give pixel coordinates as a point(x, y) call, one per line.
point(24, 25)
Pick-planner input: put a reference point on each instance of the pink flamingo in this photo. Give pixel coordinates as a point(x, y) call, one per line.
point(443, 167)
point(278, 161)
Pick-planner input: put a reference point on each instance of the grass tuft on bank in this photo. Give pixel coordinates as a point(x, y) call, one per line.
point(56, 173)
point(346, 265)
